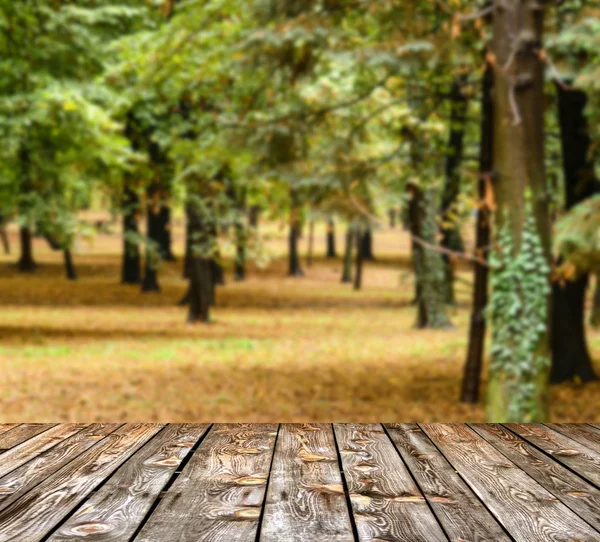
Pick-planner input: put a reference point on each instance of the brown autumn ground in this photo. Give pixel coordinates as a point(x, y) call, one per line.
point(280, 349)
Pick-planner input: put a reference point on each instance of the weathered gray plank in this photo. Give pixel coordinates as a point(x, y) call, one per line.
point(118, 508)
point(525, 509)
point(305, 497)
point(580, 496)
point(386, 502)
point(16, 435)
point(220, 493)
point(36, 513)
point(583, 460)
point(20, 480)
point(584, 434)
point(20, 454)
point(459, 511)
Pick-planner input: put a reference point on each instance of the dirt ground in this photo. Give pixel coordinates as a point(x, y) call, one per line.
point(279, 349)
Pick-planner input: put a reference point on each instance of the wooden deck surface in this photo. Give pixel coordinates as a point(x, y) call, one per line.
point(294, 482)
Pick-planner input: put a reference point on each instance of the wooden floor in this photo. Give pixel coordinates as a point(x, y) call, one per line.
point(313, 482)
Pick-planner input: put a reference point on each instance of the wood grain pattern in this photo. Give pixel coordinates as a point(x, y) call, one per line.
point(386, 502)
point(525, 509)
point(305, 498)
point(118, 508)
point(584, 434)
point(21, 480)
point(36, 513)
point(459, 511)
point(583, 460)
point(580, 496)
point(20, 454)
point(220, 493)
point(16, 435)
point(6, 426)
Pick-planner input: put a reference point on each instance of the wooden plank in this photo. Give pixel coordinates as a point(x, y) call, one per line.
point(220, 493)
point(36, 513)
point(580, 496)
point(583, 460)
point(305, 498)
point(21, 480)
point(584, 434)
point(15, 436)
point(115, 512)
point(525, 509)
point(4, 427)
point(460, 512)
point(17, 456)
point(386, 502)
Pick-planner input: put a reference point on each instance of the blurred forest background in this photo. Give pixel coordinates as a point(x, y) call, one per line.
point(317, 210)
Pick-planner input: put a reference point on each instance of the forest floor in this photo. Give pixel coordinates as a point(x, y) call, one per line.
point(284, 349)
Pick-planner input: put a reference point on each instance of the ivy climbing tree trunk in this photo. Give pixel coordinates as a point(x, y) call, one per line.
point(518, 382)
point(331, 252)
point(476, 347)
point(451, 237)
point(347, 268)
point(131, 250)
point(570, 355)
point(427, 261)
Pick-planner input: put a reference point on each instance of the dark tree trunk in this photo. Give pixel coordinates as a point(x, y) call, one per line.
point(311, 243)
point(451, 238)
point(240, 249)
point(26, 262)
point(253, 216)
point(428, 263)
point(367, 245)
point(155, 232)
point(392, 215)
point(360, 248)
point(570, 355)
point(69, 266)
point(131, 250)
point(347, 270)
point(4, 236)
point(476, 347)
point(595, 318)
point(187, 260)
point(166, 250)
point(331, 252)
point(201, 290)
point(295, 269)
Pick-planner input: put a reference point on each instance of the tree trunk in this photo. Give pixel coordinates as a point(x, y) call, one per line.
point(253, 216)
point(4, 236)
point(347, 271)
point(367, 240)
point(595, 318)
point(311, 243)
point(131, 250)
point(240, 248)
point(69, 266)
point(154, 234)
point(294, 259)
point(570, 355)
point(331, 252)
point(451, 237)
point(428, 263)
point(26, 262)
point(166, 249)
point(475, 351)
point(187, 260)
point(360, 248)
point(514, 392)
point(392, 216)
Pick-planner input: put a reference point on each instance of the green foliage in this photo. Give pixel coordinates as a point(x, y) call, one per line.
point(518, 312)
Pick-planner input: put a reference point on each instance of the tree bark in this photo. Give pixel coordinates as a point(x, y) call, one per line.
point(166, 249)
point(428, 263)
point(131, 250)
point(519, 168)
point(475, 350)
point(360, 247)
point(26, 262)
point(4, 236)
point(451, 237)
point(69, 266)
point(595, 318)
point(367, 240)
point(570, 355)
point(295, 269)
point(347, 270)
point(331, 252)
point(154, 234)
point(311, 243)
